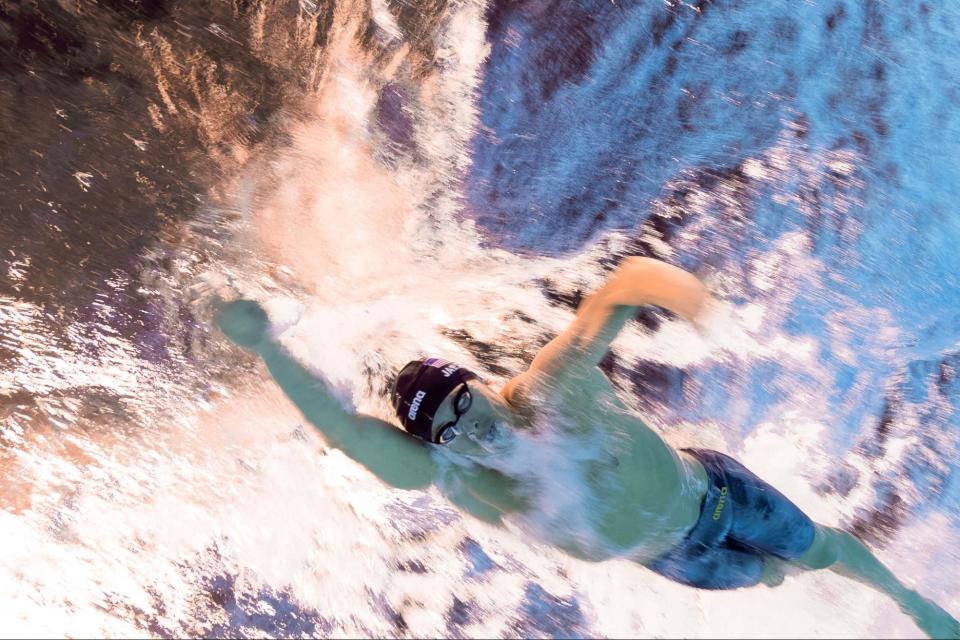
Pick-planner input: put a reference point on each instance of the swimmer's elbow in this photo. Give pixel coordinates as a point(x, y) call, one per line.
point(393, 456)
point(640, 281)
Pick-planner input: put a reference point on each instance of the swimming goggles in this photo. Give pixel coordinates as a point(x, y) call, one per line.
point(461, 404)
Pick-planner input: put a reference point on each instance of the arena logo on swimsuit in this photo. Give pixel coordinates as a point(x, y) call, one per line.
point(720, 504)
point(415, 405)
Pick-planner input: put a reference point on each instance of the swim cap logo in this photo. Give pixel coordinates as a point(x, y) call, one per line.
point(415, 405)
point(448, 371)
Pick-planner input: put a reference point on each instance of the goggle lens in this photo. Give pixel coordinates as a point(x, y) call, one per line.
point(461, 405)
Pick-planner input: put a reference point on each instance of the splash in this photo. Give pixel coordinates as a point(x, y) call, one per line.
point(164, 487)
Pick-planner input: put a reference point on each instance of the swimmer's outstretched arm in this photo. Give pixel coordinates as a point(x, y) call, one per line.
point(392, 455)
point(601, 316)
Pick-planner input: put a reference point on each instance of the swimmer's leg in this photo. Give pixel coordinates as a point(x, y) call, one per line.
point(844, 554)
point(767, 521)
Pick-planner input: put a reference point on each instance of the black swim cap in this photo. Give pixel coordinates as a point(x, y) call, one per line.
point(420, 389)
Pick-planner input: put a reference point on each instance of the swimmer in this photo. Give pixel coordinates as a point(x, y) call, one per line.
point(696, 516)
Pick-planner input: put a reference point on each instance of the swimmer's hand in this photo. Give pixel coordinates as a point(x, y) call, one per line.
point(244, 322)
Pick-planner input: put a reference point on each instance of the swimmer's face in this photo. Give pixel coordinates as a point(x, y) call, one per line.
point(473, 419)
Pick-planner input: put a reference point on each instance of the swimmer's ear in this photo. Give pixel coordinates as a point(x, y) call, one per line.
point(243, 321)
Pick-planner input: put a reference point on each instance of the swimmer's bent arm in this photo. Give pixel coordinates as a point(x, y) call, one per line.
point(392, 455)
point(601, 316)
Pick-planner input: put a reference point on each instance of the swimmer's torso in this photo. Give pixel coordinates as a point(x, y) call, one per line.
point(640, 496)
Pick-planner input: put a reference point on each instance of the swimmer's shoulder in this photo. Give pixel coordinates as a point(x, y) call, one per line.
point(527, 391)
point(514, 391)
point(532, 389)
point(531, 393)
point(517, 394)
